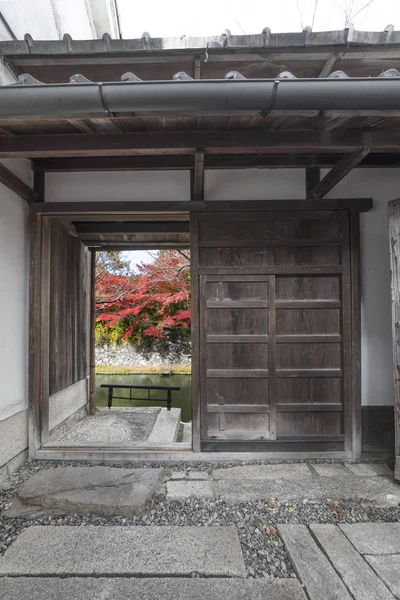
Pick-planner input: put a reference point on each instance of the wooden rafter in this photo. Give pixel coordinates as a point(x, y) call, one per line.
point(312, 180)
point(16, 185)
point(328, 66)
point(338, 172)
point(276, 142)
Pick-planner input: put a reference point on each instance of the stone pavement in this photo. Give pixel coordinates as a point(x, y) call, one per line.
point(346, 562)
point(91, 561)
point(367, 482)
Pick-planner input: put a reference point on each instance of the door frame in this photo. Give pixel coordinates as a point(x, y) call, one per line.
point(40, 216)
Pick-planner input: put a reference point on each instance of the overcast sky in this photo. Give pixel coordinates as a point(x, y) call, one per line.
point(163, 18)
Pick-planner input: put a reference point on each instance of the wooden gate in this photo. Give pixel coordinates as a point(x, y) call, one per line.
point(274, 361)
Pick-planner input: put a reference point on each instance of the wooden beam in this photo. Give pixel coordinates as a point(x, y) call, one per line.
point(92, 335)
point(211, 161)
point(39, 184)
point(16, 185)
point(275, 142)
point(126, 209)
point(198, 176)
point(312, 180)
point(339, 172)
point(133, 227)
point(394, 245)
point(328, 66)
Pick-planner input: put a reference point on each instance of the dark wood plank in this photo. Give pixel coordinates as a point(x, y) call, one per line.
point(16, 185)
point(309, 407)
point(355, 271)
point(162, 206)
point(394, 244)
point(237, 339)
point(133, 227)
point(238, 408)
point(339, 172)
point(34, 363)
point(117, 144)
point(237, 373)
point(195, 334)
point(92, 335)
point(45, 331)
point(198, 174)
point(272, 357)
point(312, 180)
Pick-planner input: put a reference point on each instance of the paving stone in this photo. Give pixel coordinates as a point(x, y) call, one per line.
point(166, 427)
point(369, 469)
point(202, 475)
point(377, 491)
point(315, 571)
point(374, 538)
point(125, 551)
point(38, 588)
point(361, 580)
point(327, 470)
point(178, 475)
point(388, 569)
point(272, 472)
point(100, 490)
point(180, 490)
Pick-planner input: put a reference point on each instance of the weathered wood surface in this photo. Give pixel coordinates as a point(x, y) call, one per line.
point(273, 315)
point(69, 309)
point(394, 241)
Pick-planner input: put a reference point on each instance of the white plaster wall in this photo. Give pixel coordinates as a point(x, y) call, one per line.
point(254, 184)
point(117, 186)
point(14, 248)
point(376, 341)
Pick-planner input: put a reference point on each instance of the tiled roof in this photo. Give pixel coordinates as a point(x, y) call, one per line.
point(225, 41)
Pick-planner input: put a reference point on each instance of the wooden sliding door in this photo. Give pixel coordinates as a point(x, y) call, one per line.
point(275, 330)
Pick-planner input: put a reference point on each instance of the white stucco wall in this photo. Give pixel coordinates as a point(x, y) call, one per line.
point(14, 250)
point(117, 185)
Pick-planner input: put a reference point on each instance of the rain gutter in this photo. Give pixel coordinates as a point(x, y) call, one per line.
point(258, 96)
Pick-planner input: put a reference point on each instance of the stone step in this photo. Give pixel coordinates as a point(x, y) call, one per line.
point(125, 551)
point(166, 427)
point(187, 432)
point(38, 588)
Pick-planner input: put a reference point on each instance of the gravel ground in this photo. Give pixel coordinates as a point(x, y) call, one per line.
point(263, 550)
point(118, 426)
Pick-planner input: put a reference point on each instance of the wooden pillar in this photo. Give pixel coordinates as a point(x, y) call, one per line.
point(92, 342)
point(394, 243)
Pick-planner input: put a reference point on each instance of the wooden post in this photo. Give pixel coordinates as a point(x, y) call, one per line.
point(92, 342)
point(394, 243)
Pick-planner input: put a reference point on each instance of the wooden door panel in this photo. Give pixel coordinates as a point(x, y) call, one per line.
point(274, 326)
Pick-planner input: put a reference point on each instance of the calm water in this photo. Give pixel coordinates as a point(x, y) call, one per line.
point(181, 399)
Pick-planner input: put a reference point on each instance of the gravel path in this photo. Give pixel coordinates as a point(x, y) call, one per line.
point(118, 426)
point(263, 550)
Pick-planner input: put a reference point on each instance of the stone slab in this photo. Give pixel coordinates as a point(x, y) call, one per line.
point(327, 470)
point(38, 588)
point(196, 475)
point(125, 551)
point(99, 490)
point(270, 472)
point(374, 538)
point(376, 491)
point(370, 469)
point(166, 427)
point(183, 489)
point(360, 579)
point(388, 569)
point(313, 568)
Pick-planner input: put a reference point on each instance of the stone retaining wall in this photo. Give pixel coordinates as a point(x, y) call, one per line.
point(112, 355)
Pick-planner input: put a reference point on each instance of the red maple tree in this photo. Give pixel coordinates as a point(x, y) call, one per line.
point(152, 303)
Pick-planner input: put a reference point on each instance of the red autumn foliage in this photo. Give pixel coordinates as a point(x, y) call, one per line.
point(150, 303)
